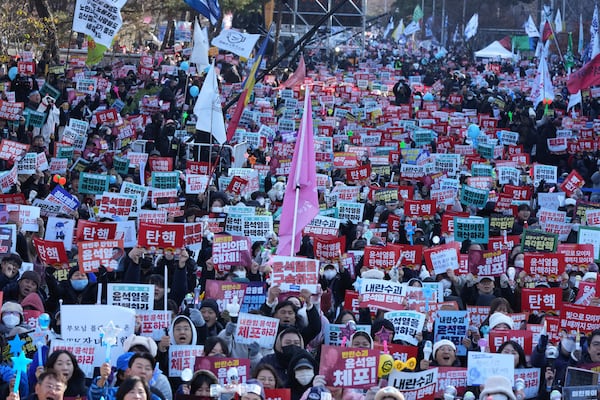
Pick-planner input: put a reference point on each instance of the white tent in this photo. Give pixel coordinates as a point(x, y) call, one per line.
point(494, 50)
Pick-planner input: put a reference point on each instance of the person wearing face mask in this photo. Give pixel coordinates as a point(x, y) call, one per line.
point(79, 288)
point(12, 317)
point(288, 342)
point(559, 358)
point(334, 285)
point(302, 373)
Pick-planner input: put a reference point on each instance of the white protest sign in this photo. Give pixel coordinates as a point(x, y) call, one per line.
point(182, 356)
point(256, 328)
point(407, 324)
point(480, 366)
point(131, 295)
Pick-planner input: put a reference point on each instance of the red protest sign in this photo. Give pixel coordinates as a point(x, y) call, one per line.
point(487, 263)
point(236, 185)
point(13, 198)
point(224, 292)
point(382, 257)
point(12, 151)
point(26, 67)
point(412, 256)
point(106, 116)
point(231, 250)
point(587, 291)
point(584, 319)
point(551, 265)
point(345, 160)
point(518, 192)
point(454, 376)
point(277, 394)
point(448, 220)
point(94, 231)
point(329, 248)
point(503, 243)
point(220, 365)
point(51, 252)
point(92, 255)
point(420, 208)
point(577, 256)
point(524, 338)
point(359, 173)
point(572, 182)
point(197, 167)
point(348, 367)
point(160, 164)
point(540, 299)
point(11, 111)
point(161, 236)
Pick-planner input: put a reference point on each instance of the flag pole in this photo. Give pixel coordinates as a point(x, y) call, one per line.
point(303, 124)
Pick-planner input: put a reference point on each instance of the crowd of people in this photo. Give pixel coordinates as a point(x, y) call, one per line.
point(388, 128)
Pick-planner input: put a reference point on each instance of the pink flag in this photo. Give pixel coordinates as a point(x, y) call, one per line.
point(302, 183)
point(297, 78)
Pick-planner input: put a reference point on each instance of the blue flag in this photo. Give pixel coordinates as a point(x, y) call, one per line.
point(209, 8)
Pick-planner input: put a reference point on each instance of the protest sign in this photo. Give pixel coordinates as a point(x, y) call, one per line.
point(27, 164)
point(195, 184)
point(295, 273)
point(474, 229)
point(165, 180)
point(60, 229)
point(386, 295)
point(550, 265)
point(453, 326)
point(541, 299)
point(407, 324)
point(231, 250)
point(140, 190)
point(590, 235)
point(254, 296)
point(532, 379)
point(584, 319)
point(329, 249)
point(348, 367)
point(131, 295)
point(572, 182)
point(161, 237)
point(182, 356)
point(487, 263)
point(453, 376)
point(277, 394)
point(11, 150)
point(51, 253)
point(11, 111)
point(93, 183)
point(350, 211)
point(253, 328)
point(382, 257)
point(498, 337)
point(585, 294)
point(478, 314)
point(443, 257)
point(95, 231)
point(28, 218)
point(85, 331)
point(323, 227)
point(471, 196)
point(257, 227)
point(153, 323)
point(225, 292)
point(84, 354)
point(480, 366)
point(337, 334)
point(92, 255)
point(220, 365)
point(534, 240)
point(415, 385)
point(118, 206)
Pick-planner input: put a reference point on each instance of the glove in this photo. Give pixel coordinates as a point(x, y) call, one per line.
point(503, 281)
point(253, 349)
point(542, 343)
point(7, 374)
point(230, 328)
point(196, 317)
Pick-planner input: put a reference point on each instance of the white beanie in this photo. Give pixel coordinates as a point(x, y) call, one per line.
point(443, 342)
point(590, 275)
point(498, 318)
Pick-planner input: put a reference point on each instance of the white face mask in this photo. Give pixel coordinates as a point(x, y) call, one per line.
point(329, 274)
point(11, 320)
point(519, 263)
point(305, 376)
point(216, 209)
point(575, 227)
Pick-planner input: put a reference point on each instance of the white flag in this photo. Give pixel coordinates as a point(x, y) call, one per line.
point(542, 86)
point(200, 51)
point(472, 25)
point(236, 42)
point(531, 29)
point(398, 31)
point(558, 24)
point(574, 99)
point(208, 110)
point(412, 28)
point(389, 27)
point(100, 19)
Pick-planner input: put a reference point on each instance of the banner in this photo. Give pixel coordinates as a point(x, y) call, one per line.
point(91, 255)
point(253, 328)
point(348, 367)
point(295, 273)
point(407, 324)
point(182, 356)
point(130, 295)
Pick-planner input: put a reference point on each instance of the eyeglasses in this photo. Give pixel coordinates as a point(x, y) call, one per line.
point(57, 387)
